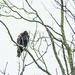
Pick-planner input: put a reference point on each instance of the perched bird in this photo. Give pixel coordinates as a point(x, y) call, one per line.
point(22, 39)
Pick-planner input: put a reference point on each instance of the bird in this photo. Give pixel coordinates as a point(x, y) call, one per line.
point(23, 40)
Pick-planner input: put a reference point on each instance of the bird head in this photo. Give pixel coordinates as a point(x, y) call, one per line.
point(25, 33)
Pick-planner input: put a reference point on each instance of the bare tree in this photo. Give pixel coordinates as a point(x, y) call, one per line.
point(61, 45)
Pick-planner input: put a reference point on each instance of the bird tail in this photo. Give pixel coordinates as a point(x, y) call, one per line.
point(18, 53)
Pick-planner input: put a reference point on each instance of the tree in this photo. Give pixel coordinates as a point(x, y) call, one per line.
point(57, 36)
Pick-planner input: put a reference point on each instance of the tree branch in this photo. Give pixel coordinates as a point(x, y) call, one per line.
point(26, 51)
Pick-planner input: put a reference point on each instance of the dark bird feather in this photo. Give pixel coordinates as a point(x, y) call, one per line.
point(22, 39)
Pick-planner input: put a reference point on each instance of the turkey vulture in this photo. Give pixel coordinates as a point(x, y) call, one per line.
point(22, 39)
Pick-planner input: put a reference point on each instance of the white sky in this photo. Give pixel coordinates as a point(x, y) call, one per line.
point(8, 51)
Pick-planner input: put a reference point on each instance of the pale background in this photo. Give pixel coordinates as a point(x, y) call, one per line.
point(8, 51)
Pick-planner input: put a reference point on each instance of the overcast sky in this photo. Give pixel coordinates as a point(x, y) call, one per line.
point(8, 51)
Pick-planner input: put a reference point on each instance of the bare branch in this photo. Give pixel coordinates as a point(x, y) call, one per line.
point(55, 53)
point(67, 10)
point(4, 71)
point(65, 60)
point(69, 25)
point(25, 50)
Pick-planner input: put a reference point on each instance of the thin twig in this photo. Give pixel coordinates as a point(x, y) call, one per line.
point(40, 67)
point(4, 71)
